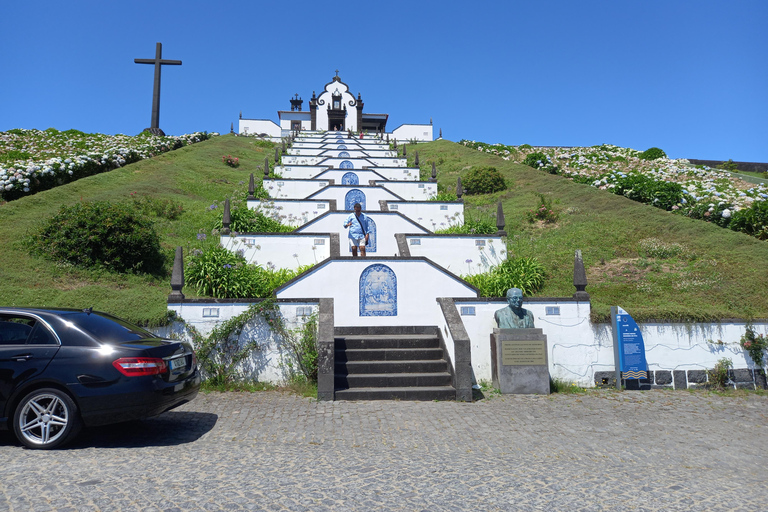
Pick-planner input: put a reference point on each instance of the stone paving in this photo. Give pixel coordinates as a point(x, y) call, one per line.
point(601, 451)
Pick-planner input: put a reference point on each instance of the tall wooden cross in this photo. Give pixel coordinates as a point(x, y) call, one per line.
point(157, 61)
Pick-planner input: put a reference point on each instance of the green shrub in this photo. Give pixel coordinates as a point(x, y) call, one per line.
point(718, 376)
point(728, 166)
point(220, 273)
point(644, 189)
point(445, 196)
point(720, 214)
point(524, 273)
point(100, 234)
point(471, 226)
point(653, 154)
point(540, 161)
point(483, 180)
point(543, 211)
point(752, 221)
point(755, 344)
point(246, 220)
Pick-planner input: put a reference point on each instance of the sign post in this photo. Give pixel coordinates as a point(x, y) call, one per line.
point(628, 347)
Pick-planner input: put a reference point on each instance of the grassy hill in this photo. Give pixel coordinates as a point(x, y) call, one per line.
point(712, 273)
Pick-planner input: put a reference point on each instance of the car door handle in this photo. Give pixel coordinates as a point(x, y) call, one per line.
point(25, 357)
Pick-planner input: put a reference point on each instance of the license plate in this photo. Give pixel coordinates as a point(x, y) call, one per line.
point(179, 362)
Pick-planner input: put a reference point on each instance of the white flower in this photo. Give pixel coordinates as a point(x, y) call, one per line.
point(726, 213)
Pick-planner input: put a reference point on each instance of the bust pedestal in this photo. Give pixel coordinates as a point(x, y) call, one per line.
point(519, 361)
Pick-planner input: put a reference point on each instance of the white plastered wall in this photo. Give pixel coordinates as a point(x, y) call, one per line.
point(291, 212)
point(292, 189)
point(372, 196)
point(406, 132)
point(462, 255)
point(411, 190)
point(433, 215)
point(258, 126)
point(280, 251)
point(416, 303)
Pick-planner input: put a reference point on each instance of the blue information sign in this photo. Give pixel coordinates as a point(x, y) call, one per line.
point(631, 347)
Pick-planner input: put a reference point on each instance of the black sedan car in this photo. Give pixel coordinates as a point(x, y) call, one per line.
point(61, 369)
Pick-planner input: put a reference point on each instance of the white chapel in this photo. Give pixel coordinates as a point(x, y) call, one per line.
point(334, 109)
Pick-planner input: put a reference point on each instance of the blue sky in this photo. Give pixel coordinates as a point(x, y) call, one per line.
point(688, 77)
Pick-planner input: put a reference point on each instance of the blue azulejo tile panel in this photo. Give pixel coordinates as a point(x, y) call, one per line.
point(354, 196)
point(350, 178)
point(346, 164)
point(378, 291)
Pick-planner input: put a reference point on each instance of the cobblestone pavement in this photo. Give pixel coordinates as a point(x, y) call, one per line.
point(657, 450)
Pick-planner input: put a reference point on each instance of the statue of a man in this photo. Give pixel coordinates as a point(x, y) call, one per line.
point(514, 316)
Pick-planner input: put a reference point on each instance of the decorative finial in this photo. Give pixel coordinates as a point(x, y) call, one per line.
point(417, 159)
point(277, 154)
point(232, 128)
point(226, 218)
point(241, 114)
point(177, 276)
point(266, 167)
point(433, 179)
point(579, 277)
point(459, 189)
point(441, 134)
point(500, 221)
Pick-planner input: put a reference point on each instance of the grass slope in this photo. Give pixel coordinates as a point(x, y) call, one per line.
point(721, 274)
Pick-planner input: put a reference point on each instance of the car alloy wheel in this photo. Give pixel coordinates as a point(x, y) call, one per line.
point(46, 418)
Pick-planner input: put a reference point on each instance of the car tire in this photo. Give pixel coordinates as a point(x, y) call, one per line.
point(46, 418)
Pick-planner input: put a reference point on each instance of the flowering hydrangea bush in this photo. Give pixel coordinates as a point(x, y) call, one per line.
point(34, 160)
point(671, 184)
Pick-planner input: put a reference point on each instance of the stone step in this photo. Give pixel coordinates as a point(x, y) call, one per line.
point(383, 380)
point(361, 367)
point(361, 341)
point(389, 354)
point(398, 393)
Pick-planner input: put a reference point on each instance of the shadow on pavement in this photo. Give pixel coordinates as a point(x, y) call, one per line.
point(168, 429)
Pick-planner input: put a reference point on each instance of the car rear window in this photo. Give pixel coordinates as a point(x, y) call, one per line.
point(105, 328)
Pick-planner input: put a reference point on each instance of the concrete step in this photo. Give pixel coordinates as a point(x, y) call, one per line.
point(389, 354)
point(361, 367)
point(398, 393)
point(361, 341)
point(384, 380)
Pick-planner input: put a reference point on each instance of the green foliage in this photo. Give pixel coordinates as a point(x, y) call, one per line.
point(483, 180)
point(755, 344)
point(100, 234)
point(558, 385)
point(720, 213)
point(443, 196)
point(752, 220)
point(12, 155)
point(484, 225)
point(543, 211)
point(718, 376)
point(218, 272)
point(645, 189)
point(231, 161)
point(652, 154)
point(539, 160)
point(524, 146)
point(246, 220)
point(220, 352)
point(524, 273)
point(729, 166)
point(302, 344)
point(165, 208)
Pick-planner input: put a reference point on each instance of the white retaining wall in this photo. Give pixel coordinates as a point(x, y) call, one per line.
point(292, 189)
point(280, 250)
point(433, 215)
point(452, 252)
point(407, 132)
point(416, 303)
point(299, 172)
point(259, 126)
point(268, 362)
point(411, 190)
point(291, 212)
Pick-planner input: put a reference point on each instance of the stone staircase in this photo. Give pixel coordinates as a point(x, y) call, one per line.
point(386, 363)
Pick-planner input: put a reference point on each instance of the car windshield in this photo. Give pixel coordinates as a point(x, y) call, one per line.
point(106, 328)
